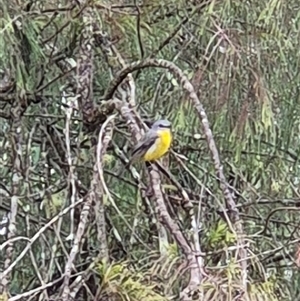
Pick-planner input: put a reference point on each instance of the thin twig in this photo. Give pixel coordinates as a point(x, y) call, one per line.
point(71, 164)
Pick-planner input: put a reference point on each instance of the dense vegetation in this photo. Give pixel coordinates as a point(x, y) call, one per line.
point(218, 218)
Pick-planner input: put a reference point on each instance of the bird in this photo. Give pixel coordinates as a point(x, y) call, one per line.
point(154, 144)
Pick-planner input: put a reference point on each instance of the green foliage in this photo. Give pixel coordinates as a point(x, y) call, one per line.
point(220, 236)
point(122, 283)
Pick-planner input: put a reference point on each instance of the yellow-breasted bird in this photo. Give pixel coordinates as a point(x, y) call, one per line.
point(154, 144)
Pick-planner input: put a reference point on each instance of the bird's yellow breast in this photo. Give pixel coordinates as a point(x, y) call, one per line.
point(160, 147)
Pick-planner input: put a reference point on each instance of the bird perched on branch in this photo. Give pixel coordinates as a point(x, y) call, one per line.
point(154, 144)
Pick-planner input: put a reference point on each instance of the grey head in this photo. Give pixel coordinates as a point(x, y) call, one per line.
point(161, 124)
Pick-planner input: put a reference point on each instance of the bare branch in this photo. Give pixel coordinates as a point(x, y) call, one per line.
point(71, 163)
point(105, 136)
point(35, 290)
point(194, 262)
point(77, 241)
